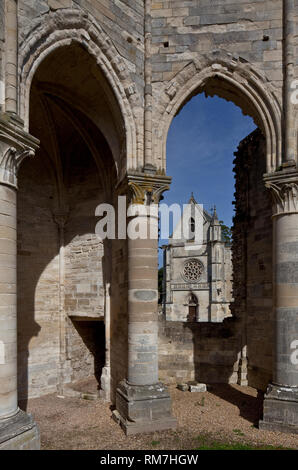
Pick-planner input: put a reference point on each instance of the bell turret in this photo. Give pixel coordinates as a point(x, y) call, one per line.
point(215, 228)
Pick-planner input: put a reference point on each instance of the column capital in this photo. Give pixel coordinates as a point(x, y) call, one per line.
point(15, 146)
point(61, 216)
point(283, 186)
point(144, 188)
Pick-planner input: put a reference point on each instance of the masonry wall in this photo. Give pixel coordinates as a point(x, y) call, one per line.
point(84, 251)
point(182, 33)
point(206, 352)
point(252, 258)
point(188, 35)
point(183, 29)
point(38, 288)
point(210, 352)
point(86, 342)
point(2, 56)
point(84, 270)
point(49, 303)
point(117, 251)
point(122, 20)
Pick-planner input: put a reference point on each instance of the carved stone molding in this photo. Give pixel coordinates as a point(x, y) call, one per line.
point(284, 191)
point(15, 146)
point(230, 77)
point(60, 217)
point(10, 161)
point(146, 189)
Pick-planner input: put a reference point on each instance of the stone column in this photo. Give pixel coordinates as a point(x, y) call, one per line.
point(17, 429)
point(105, 380)
point(11, 48)
point(60, 217)
point(281, 399)
point(143, 403)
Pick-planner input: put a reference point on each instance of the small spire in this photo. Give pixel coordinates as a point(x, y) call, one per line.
point(214, 217)
point(192, 199)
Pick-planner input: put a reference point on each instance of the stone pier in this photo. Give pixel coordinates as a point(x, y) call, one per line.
point(17, 429)
point(281, 399)
point(143, 403)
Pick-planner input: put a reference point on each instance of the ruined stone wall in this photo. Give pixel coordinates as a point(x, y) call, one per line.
point(84, 250)
point(209, 352)
point(206, 352)
point(38, 288)
point(252, 258)
point(86, 349)
point(181, 29)
point(118, 253)
point(187, 36)
point(44, 310)
point(84, 270)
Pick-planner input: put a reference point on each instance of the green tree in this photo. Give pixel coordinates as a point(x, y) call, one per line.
point(226, 233)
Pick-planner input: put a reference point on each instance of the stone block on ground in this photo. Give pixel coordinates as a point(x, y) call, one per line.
point(198, 387)
point(183, 387)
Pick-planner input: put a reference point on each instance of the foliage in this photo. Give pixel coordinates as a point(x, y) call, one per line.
point(226, 232)
point(207, 442)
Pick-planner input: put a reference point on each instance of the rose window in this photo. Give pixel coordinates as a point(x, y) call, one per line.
point(193, 270)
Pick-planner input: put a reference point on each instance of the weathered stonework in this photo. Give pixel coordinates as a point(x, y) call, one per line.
point(19, 433)
point(281, 399)
point(252, 262)
point(239, 351)
point(204, 352)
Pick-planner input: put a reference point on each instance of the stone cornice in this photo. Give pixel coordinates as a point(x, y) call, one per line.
point(15, 146)
point(283, 186)
point(144, 188)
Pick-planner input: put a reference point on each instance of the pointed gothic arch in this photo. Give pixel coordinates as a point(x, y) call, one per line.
point(66, 27)
point(233, 79)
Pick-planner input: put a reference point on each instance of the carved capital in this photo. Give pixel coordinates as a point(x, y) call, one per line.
point(15, 146)
point(284, 192)
point(60, 218)
point(10, 161)
point(146, 189)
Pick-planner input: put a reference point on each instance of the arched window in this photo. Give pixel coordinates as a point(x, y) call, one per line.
point(193, 308)
point(192, 228)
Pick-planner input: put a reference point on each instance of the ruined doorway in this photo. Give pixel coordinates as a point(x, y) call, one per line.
point(193, 308)
point(210, 351)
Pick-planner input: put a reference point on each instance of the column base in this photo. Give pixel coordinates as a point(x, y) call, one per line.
point(242, 372)
point(19, 433)
point(280, 409)
point(105, 382)
point(142, 409)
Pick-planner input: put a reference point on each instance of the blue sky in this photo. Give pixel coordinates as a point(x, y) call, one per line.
point(200, 147)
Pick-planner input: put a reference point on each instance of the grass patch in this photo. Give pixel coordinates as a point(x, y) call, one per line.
point(200, 403)
point(155, 443)
point(208, 443)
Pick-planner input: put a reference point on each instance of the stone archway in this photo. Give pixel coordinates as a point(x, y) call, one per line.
point(65, 27)
point(235, 80)
point(232, 79)
point(81, 132)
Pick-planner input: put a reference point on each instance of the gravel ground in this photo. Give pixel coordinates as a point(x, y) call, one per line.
point(226, 413)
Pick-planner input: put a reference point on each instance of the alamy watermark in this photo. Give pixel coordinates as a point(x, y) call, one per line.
point(138, 221)
point(294, 355)
point(294, 94)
